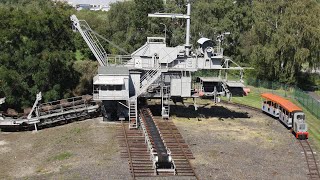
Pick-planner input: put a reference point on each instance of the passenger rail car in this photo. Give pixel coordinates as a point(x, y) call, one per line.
point(288, 113)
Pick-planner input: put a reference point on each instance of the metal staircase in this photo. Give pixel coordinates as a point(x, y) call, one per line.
point(225, 88)
point(165, 101)
point(91, 39)
point(133, 113)
point(148, 78)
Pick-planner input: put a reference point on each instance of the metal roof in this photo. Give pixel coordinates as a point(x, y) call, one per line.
point(284, 103)
point(112, 70)
point(203, 40)
point(210, 79)
point(234, 84)
point(108, 80)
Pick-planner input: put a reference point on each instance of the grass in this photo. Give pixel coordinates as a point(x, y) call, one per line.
point(61, 156)
point(79, 56)
point(254, 100)
point(76, 130)
point(318, 92)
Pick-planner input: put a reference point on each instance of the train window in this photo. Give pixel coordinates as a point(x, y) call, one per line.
point(300, 116)
point(118, 87)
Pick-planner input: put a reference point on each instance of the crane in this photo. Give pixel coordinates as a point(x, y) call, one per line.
point(91, 38)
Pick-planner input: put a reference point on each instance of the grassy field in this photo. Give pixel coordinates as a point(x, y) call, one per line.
point(254, 100)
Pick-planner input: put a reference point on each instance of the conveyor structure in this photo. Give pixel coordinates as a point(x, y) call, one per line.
point(53, 112)
point(159, 153)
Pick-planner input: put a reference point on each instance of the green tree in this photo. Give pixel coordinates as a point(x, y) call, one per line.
point(36, 45)
point(284, 36)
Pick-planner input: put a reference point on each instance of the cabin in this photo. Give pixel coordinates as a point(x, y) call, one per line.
point(111, 83)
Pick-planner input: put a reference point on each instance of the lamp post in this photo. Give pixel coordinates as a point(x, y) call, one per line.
point(165, 31)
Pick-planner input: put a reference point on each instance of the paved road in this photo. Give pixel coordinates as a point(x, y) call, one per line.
point(314, 95)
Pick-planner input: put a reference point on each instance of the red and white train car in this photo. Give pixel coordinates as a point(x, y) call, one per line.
point(288, 113)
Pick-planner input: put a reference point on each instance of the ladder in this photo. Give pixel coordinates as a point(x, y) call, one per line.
point(165, 101)
point(133, 113)
point(91, 39)
point(228, 93)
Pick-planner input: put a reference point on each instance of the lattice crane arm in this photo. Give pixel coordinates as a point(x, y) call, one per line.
point(91, 39)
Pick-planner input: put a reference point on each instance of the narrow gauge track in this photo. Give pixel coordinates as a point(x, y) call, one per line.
point(133, 147)
point(311, 160)
point(307, 150)
point(241, 106)
point(180, 151)
point(129, 152)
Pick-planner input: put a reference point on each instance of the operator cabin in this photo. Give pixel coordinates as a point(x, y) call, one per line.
point(111, 83)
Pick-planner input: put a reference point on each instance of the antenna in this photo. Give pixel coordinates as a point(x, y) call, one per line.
point(181, 16)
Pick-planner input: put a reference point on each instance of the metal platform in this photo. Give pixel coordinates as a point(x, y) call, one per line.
point(52, 112)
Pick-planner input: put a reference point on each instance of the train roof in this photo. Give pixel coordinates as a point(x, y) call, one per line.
point(284, 103)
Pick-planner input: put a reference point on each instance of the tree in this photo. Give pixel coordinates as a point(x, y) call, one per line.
point(284, 36)
point(36, 44)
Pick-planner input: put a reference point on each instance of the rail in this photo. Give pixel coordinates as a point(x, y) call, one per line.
point(311, 160)
point(307, 150)
point(128, 148)
point(183, 151)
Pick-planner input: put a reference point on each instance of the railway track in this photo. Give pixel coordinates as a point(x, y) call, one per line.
point(307, 150)
point(241, 105)
point(311, 160)
point(134, 148)
point(180, 151)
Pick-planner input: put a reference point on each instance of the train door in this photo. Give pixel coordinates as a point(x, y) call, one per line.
point(289, 121)
point(280, 113)
point(276, 109)
point(285, 116)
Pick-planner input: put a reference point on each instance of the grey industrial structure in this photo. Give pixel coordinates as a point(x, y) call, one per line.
point(154, 69)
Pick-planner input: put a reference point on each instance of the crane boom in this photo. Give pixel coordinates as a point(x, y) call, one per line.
point(91, 39)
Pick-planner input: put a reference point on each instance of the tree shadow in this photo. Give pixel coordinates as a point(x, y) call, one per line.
point(202, 112)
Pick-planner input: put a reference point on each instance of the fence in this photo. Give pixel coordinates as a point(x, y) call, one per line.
point(258, 86)
point(308, 102)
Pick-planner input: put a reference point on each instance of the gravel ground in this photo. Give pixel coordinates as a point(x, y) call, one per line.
point(228, 143)
point(79, 150)
point(241, 145)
